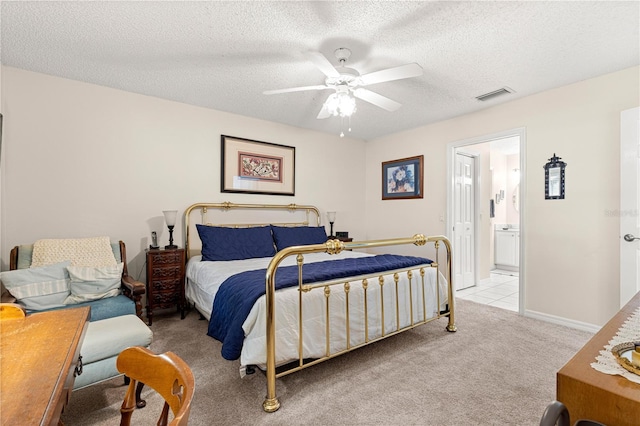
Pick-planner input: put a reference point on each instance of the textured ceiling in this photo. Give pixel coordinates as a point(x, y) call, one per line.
point(223, 55)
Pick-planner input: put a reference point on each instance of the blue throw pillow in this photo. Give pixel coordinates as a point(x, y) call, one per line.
point(220, 243)
point(298, 236)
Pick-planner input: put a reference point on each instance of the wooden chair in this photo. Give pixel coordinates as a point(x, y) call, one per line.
point(11, 311)
point(166, 373)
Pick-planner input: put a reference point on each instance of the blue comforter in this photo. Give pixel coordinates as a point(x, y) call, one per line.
point(238, 293)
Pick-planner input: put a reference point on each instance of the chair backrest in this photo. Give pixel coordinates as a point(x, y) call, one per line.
point(11, 311)
point(165, 373)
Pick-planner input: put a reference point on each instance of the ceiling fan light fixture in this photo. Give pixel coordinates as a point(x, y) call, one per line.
point(341, 104)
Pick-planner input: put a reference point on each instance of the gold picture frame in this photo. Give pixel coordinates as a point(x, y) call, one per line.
point(255, 167)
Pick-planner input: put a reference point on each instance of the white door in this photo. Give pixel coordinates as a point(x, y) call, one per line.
point(464, 226)
point(629, 204)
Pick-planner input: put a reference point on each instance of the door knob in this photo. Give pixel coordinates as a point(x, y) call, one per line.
point(630, 238)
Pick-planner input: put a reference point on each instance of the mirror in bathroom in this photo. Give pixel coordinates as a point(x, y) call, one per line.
point(516, 198)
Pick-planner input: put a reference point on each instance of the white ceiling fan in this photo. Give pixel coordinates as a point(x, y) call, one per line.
point(347, 81)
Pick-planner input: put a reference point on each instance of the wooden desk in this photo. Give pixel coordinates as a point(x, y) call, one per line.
point(38, 357)
point(590, 394)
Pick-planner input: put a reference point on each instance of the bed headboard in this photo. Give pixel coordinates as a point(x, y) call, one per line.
point(241, 216)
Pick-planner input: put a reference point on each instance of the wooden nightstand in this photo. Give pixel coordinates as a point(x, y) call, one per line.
point(165, 280)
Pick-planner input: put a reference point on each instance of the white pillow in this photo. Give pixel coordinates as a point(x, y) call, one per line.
point(94, 283)
point(38, 288)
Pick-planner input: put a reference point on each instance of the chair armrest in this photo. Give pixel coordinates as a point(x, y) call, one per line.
point(135, 287)
point(134, 290)
point(7, 297)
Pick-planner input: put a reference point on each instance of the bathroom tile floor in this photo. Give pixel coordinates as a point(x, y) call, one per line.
point(500, 290)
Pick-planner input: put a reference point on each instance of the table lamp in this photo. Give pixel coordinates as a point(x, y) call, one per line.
point(332, 218)
point(170, 218)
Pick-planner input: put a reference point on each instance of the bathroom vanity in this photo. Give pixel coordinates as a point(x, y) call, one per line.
point(507, 247)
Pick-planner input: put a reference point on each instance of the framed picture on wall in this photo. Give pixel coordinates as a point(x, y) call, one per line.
point(402, 178)
point(255, 167)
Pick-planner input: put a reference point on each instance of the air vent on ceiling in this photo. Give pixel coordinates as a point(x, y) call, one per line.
point(502, 91)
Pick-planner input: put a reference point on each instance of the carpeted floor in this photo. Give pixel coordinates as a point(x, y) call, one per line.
point(498, 368)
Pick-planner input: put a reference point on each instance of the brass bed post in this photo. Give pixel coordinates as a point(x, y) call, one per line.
point(300, 261)
point(452, 323)
point(365, 284)
point(424, 297)
point(451, 326)
point(381, 282)
point(347, 288)
point(396, 278)
point(271, 402)
point(410, 277)
point(327, 293)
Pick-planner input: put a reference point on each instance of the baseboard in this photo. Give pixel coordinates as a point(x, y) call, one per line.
point(578, 325)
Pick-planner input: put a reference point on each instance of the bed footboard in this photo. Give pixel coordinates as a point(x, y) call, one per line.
point(410, 304)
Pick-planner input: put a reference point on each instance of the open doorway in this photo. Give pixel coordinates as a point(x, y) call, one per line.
point(485, 218)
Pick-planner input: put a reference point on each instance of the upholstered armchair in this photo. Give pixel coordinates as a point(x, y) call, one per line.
point(127, 299)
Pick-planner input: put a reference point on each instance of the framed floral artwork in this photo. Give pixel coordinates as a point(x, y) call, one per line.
point(255, 167)
point(402, 178)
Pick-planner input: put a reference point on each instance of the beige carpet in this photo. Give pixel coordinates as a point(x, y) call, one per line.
point(498, 369)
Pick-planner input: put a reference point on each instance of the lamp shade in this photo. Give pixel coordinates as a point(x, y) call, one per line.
point(331, 216)
point(170, 217)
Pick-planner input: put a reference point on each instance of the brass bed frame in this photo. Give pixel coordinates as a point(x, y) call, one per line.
point(332, 246)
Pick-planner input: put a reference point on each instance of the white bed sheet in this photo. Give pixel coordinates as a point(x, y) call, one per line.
point(204, 279)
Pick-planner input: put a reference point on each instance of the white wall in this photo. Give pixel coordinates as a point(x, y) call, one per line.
point(85, 160)
point(571, 245)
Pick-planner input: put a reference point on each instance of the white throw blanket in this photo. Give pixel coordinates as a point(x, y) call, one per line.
point(89, 252)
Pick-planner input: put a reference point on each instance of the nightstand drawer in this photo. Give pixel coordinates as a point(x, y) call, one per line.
point(167, 258)
point(166, 272)
point(160, 285)
point(165, 299)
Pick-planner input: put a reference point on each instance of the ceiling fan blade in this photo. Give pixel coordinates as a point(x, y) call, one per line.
point(324, 112)
point(323, 64)
point(295, 89)
point(376, 99)
point(390, 74)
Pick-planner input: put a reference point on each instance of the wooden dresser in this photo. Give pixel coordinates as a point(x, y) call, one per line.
point(165, 280)
point(38, 356)
point(590, 394)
